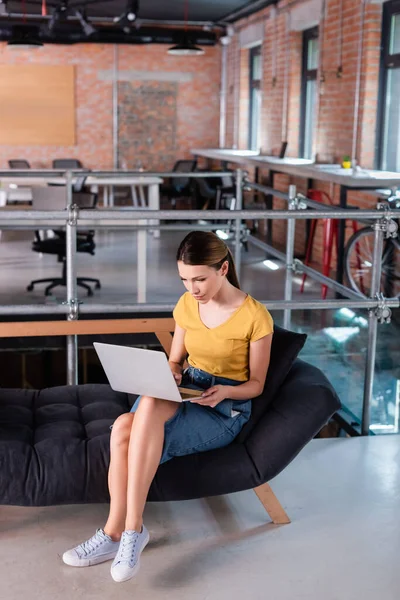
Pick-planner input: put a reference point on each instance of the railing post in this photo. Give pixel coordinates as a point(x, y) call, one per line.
point(238, 221)
point(141, 263)
point(290, 233)
point(373, 316)
point(71, 275)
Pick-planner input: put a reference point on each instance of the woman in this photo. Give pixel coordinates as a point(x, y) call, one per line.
point(227, 336)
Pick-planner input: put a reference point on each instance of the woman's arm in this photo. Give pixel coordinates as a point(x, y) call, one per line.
point(260, 353)
point(178, 353)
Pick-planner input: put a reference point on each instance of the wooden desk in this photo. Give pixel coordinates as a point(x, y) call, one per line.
point(22, 185)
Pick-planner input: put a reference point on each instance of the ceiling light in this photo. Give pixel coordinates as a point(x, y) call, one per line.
point(350, 316)
point(225, 40)
point(24, 37)
point(341, 334)
point(271, 265)
point(347, 312)
point(223, 235)
point(87, 27)
point(129, 16)
point(59, 14)
point(185, 47)
point(24, 44)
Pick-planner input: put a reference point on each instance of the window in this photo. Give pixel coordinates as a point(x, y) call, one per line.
point(309, 91)
point(388, 157)
point(255, 97)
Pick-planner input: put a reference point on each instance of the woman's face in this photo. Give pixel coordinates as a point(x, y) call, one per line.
point(201, 281)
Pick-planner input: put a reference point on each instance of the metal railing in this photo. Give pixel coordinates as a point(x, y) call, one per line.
point(73, 219)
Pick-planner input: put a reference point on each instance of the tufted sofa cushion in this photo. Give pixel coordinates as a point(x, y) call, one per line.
point(54, 443)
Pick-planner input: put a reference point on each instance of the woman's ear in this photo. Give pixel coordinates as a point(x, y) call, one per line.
point(225, 268)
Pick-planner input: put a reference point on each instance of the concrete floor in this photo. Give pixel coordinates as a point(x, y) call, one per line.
point(115, 264)
point(343, 543)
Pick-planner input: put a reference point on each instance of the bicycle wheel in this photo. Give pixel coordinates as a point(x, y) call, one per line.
point(358, 263)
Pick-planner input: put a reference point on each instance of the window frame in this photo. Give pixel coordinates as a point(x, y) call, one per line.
point(306, 75)
point(253, 84)
point(387, 62)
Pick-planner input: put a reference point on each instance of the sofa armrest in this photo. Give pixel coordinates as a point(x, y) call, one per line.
point(304, 403)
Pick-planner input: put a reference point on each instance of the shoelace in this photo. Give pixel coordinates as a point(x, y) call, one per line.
point(126, 551)
point(91, 544)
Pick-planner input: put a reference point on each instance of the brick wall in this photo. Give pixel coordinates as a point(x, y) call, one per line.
point(334, 135)
point(93, 105)
point(159, 121)
point(187, 112)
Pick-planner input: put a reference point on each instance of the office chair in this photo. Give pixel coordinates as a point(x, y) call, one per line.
point(178, 187)
point(46, 198)
point(18, 163)
point(283, 149)
point(215, 193)
point(274, 152)
point(67, 163)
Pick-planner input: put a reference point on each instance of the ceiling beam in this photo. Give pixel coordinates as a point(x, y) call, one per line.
point(247, 10)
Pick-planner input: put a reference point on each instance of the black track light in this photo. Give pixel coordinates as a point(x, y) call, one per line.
point(129, 16)
point(87, 27)
point(59, 14)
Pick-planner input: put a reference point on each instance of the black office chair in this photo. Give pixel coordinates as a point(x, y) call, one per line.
point(18, 163)
point(274, 152)
point(179, 187)
point(283, 149)
point(215, 192)
point(57, 245)
point(67, 163)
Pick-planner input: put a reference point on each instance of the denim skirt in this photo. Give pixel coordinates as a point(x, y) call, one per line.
point(195, 428)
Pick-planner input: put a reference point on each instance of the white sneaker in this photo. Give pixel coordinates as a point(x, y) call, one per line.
point(127, 562)
point(95, 550)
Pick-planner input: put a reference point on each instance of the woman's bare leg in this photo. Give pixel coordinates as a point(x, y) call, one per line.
point(118, 475)
point(144, 454)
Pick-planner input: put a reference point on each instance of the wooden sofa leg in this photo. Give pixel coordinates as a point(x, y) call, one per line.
point(271, 504)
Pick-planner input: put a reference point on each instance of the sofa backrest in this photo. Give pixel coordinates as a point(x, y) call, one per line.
point(285, 348)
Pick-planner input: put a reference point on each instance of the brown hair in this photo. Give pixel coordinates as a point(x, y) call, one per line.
point(206, 248)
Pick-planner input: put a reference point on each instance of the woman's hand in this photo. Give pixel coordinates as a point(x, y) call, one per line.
point(213, 396)
point(176, 372)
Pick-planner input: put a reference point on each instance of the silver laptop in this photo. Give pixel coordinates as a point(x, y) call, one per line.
point(142, 372)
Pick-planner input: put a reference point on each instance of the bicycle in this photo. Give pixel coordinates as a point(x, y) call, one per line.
point(358, 259)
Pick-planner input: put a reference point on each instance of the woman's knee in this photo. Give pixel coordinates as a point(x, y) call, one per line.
point(156, 406)
point(122, 428)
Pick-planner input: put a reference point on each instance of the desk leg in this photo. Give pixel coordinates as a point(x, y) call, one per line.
point(135, 202)
point(341, 237)
point(141, 263)
point(142, 198)
point(154, 204)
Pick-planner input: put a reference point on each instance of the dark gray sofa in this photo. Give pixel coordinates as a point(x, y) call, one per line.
point(54, 443)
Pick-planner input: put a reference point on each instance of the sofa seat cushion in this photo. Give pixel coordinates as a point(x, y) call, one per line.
point(54, 443)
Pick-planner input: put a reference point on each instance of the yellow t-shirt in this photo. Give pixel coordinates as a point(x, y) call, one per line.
point(222, 350)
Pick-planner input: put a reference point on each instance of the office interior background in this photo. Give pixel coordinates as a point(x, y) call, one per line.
point(210, 106)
